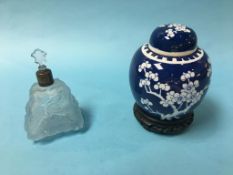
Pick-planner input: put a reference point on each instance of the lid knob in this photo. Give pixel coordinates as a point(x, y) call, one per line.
point(173, 38)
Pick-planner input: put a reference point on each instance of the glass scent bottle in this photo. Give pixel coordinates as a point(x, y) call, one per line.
point(51, 108)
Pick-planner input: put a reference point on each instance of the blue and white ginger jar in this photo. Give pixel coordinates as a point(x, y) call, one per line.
point(170, 75)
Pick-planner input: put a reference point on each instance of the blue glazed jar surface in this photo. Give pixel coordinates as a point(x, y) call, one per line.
point(168, 83)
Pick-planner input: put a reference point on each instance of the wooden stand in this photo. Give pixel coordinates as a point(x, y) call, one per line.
point(157, 125)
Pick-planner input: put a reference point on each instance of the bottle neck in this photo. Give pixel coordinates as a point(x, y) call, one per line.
point(44, 77)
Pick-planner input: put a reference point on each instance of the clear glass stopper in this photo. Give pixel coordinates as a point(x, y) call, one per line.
point(39, 58)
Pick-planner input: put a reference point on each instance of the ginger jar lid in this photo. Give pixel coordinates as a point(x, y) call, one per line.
point(173, 38)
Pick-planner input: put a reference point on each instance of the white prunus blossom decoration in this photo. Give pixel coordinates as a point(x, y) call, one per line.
point(180, 102)
point(209, 70)
point(173, 29)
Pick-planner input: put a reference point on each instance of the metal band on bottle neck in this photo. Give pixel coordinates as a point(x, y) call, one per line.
point(44, 77)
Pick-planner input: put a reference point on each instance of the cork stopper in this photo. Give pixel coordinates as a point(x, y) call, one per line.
point(44, 77)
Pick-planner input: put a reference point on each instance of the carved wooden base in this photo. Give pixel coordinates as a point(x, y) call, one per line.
point(162, 126)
